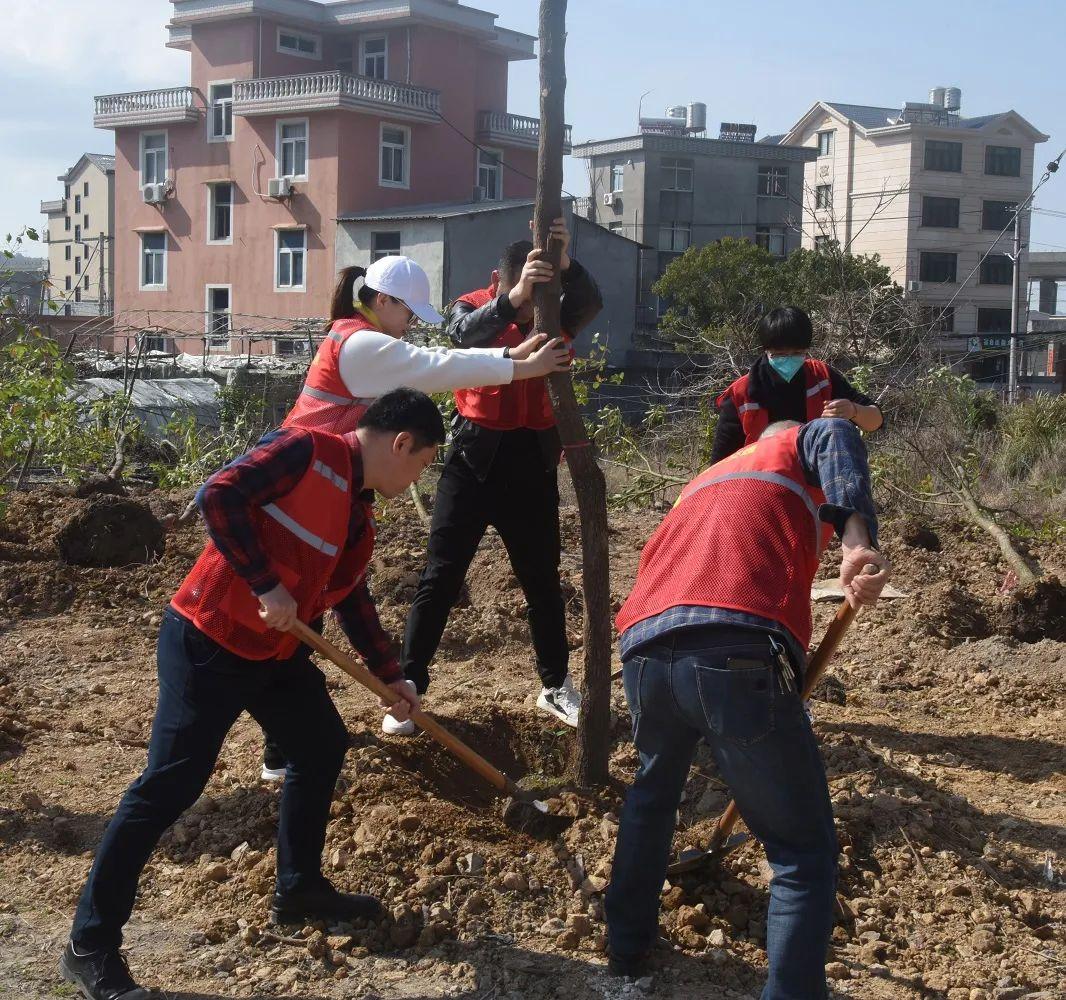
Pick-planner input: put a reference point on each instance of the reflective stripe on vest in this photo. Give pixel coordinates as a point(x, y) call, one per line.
point(320, 544)
point(329, 397)
point(815, 389)
point(324, 470)
point(778, 480)
point(748, 406)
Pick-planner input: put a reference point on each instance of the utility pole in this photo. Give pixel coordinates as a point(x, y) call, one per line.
point(593, 742)
point(1015, 311)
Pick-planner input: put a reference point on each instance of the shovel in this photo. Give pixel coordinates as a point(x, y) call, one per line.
point(521, 812)
point(723, 840)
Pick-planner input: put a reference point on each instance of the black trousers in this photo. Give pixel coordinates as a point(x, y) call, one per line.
point(519, 497)
point(203, 688)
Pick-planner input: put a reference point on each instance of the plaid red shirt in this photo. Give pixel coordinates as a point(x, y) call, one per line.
point(265, 474)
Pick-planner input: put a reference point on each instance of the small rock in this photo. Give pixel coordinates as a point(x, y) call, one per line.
point(476, 903)
point(226, 964)
point(31, 800)
point(674, 897)
point(579, 924)
point(716, 939)
point(693, 916)
point(217, 872)
point(567, 940)
point(552, 926)
point(984, 942)
point(410, 822)
point(471, 864)
point(837, 970)
point(316, 945)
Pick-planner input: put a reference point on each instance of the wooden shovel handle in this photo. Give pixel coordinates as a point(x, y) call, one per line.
point(357, 671)
point(816, 665)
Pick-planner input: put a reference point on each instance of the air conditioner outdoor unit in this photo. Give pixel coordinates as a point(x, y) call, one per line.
point(608, 198)
point(154, 194)
point(914, 286)
point(280, 187)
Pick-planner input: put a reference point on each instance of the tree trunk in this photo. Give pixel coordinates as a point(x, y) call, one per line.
point(1027, 574)
point(591, 758)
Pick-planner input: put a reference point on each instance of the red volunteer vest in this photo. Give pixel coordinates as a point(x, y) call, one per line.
point(754, 417)
point(744, 535)
point(324, 403)
point(306, 534)
point(505, 407)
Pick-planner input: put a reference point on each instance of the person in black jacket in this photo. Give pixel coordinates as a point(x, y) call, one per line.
point(773, 389)
point(501, 470)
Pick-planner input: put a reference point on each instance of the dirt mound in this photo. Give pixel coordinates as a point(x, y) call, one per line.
point(916, 534)
point(111, 531)
point(1035, 612)
point(951, 612)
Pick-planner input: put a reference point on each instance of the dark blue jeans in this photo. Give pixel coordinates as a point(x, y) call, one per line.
point(681, 689)
point(203, 688)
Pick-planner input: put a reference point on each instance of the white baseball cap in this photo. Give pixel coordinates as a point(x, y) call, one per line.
point(403, 279)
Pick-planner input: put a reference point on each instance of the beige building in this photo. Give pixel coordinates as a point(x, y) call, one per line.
point(79, 234)
point(930, 191)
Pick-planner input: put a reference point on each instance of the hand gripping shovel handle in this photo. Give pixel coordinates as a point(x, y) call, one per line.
point(356, 670)
point(816, 665)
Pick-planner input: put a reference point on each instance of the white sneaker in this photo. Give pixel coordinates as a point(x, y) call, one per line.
point(564, 702)
point(273, 773)
point(391, 726)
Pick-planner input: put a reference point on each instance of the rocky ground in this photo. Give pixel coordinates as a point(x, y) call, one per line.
point(943, 736)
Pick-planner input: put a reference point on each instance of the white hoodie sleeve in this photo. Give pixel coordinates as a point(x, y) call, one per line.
point(373, 363)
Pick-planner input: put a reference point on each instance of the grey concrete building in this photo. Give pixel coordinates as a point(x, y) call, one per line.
point(671, 187)
point(458, 246)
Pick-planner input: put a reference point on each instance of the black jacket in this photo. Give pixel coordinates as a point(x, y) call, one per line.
point(469, 327)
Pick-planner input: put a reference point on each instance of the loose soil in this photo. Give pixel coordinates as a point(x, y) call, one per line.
point(943, 736)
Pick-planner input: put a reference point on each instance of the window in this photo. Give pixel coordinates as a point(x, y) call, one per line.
point(993, 320)
point(77, 265)
point(997, 269)
point(66, 223)
point(823, 243)
point(218, 316)
point(1003, 161)
point(617, 171)
point(292, 249)
point(66, 190)
point(220, 209)
point(153, 260)
point(77, 234)
point(86, 282)
point(297, 43)
point(221, 117)
point(345, 64)
point(67, 283)
point(823, 196)
point(676, 174)
point(394, 140)
point(291, 347)
point(77, 294)
point(153, 343)
point(997, 215)
point(938, 267)
point(384, 245)
point(85, 189)
point(675, 237)
point(771, 240)
point(773, 182)
point(153, 157)
point(941, 213)
point(373, 57)
point(77, 203)
point(490, 174)
point(292, 149)
point(939, 319)
point(85, 220)
point(85, 251)
point(67, 251)
point(825, 143)
point(943, 156)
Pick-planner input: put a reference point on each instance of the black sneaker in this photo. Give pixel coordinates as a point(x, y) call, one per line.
point(101, 975)
point(323, 902)
point(274, 763)
point(629, 966)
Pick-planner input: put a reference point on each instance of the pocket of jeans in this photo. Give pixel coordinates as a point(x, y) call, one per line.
point(201, 650)
point(632, 680)
point(737, 702)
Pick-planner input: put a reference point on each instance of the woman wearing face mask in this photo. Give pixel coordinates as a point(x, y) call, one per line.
point(786, 384)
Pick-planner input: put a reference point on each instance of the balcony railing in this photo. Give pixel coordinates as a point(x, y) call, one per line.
point(147, 107)
point(53, 207)
point(327, 91)
point(514, 130)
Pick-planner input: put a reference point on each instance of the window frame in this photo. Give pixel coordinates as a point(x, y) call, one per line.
point(673, 228)
point(941, 142)
point(823, 197)
point(985, 202)
point(769, 171)
point(165, 151)
point(939, 253)
point(67, 254)
point(278, 287)
point(382, 182)
point(212, 208)
point(298, 34)
point(677, 168)
point(376, 253)
point(209, 334)
point(85, 189)
point(999, 173)
point(830, 135)
point(621, 165)
point(77, 204)
point(77, 233)
point(212, 103)
point(279, 151)
point(940, 198)
point(1002, 310)
point(999, 258)
point(498, 153)
point(142, 251)
point(384, 55)
point(770, 233)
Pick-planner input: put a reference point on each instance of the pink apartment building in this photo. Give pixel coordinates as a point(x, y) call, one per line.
point(228, 189)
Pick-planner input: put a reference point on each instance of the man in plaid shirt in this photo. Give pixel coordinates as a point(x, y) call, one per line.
point(291, 534)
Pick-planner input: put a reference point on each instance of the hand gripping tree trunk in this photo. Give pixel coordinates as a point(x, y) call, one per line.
point(590, 764)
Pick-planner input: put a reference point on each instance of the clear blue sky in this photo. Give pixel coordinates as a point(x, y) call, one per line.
point(764, 62)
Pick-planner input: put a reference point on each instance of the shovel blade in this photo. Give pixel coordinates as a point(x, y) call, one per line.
point(691, 861)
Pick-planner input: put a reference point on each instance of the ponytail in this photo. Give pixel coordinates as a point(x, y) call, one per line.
point(342, 305)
